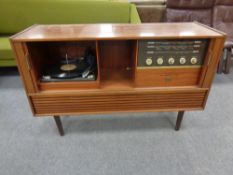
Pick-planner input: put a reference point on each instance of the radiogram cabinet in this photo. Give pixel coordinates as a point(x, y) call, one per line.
point(139, 67)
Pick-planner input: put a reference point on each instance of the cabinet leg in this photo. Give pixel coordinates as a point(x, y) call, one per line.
point(59, 124)
point(179, 120)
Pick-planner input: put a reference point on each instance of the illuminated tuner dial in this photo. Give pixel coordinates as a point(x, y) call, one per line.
point(160, 61)
point(171, 61)
point(149, 61)
point(193, 60)
point(182, 60)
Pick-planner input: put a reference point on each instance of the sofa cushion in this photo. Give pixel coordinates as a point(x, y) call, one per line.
point(223, 2)
point(190, 4)
point(203, 16)
point(151, 13)
point(5, 49)
point(16, 15)
point(134, 16)
point(8, 62)
point(223, 20)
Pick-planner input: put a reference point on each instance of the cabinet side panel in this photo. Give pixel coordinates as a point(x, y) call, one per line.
point(23, 66)
point(215, 53)
point(117, 102)
point(217, 48)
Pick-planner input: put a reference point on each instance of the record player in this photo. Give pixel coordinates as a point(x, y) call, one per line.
point(72, 69)
point(137, 68)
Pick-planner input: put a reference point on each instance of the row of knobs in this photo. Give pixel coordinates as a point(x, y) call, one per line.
point(171, 61)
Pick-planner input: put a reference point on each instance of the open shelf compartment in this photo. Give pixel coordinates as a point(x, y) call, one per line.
point(46, 56)
point(117, 63)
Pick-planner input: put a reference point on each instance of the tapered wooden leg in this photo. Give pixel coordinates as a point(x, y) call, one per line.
point(59, 124)
point(179, 120)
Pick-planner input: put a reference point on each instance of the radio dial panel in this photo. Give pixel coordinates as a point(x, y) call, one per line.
point(173, 52)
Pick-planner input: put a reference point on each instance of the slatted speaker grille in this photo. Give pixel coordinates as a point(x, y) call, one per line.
point(97, 103)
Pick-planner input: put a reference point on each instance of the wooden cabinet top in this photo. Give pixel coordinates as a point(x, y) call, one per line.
point(115, 31)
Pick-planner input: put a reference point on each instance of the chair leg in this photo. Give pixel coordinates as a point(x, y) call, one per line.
point(179, 120)
point(221, 63)
point(59, 124)
point(228, 62)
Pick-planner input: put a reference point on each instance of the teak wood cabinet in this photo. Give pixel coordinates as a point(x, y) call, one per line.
point(141, 67)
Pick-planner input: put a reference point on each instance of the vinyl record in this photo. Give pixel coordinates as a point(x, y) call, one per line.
point(67, 69)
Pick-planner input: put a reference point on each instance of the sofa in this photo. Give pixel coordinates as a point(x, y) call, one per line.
point(16, 15)
point(223, 20)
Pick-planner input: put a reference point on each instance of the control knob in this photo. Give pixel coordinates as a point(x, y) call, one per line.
point(160, 61)
point(193, 60)
point(171, 61)
point(182, 60)
point(149, 61)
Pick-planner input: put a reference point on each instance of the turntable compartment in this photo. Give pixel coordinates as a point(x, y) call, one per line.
point(63, 65)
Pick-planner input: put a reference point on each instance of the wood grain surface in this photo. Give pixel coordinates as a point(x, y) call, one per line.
point(115, 31)
point(121, 86)
point(114, 101)
point(167, 77)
